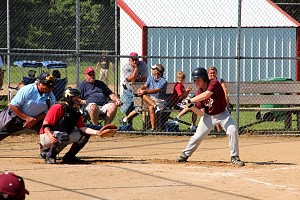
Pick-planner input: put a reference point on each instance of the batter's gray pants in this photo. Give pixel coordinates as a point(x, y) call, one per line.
point(206, 124)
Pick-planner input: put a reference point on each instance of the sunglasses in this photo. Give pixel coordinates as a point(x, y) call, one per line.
point(47, 85)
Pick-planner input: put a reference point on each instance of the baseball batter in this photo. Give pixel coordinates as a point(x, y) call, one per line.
point(213, 109)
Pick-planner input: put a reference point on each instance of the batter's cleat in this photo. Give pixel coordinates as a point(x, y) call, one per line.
point(182, 158)
point(50, 160)
point(71, 159)
point(237, 161)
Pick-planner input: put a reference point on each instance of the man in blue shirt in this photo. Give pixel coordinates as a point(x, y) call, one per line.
point(96, 95)
point(153, 93)
point(30, 105)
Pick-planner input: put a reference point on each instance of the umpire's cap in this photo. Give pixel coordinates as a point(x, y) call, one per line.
point(46, 79)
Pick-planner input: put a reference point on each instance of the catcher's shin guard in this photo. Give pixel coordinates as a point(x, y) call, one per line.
point(76, 147)
point(55, 149)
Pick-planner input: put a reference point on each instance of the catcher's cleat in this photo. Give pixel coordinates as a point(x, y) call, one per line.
point(237, 161)
point(43, 153)
point(70, 159)
point(50, 160)
point(182, 158)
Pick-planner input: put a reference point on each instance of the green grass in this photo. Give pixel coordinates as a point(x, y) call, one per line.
point(245, 119)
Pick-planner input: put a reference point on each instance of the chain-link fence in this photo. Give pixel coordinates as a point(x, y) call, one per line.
point(247, 41)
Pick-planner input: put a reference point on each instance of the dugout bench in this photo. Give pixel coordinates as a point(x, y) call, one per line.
point(252, 97)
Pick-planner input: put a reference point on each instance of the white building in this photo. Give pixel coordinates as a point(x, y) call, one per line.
point(209, 28)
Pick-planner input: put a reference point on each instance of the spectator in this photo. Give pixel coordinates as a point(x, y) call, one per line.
point(62, 119)
point(104, 64)
point(213, 109)
point(133, 71)
point(213, 74)
point(30, 105)
point(56, 74)
point(12, 187)
point(153, 92)
point(1, 73)
point(179, 92)
point(96, 95)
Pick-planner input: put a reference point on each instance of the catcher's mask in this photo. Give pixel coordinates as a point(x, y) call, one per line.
point(68, 95)
point(200, 73)
point(47, 81)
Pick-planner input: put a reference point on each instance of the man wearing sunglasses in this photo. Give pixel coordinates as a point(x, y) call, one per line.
point(98, 98)
point(30, 105)
point(153, 92)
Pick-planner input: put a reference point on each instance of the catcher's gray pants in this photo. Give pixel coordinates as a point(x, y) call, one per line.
point(75, 136)
point(206, 123)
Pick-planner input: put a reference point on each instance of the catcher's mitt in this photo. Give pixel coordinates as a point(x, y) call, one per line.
point(107, 130)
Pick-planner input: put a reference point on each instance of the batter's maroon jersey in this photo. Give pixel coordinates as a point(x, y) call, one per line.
point(216, 103)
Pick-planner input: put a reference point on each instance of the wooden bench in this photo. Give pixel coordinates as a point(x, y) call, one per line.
point(253, 96)
point(268, 96)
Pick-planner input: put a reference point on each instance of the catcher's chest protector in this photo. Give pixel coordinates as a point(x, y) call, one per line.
point(69, 121)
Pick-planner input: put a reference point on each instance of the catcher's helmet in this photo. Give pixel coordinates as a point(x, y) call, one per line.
point(69, 93)
point(200, 73)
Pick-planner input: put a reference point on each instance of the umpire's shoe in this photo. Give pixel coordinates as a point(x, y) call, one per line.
point(237, 161)
point(182, 158)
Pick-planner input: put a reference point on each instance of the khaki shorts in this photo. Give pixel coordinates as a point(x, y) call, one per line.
point(162, 104)
point(103, 109)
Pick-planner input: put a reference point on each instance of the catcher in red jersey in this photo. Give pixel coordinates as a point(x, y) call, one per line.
point(213, 110)
point(58, 129)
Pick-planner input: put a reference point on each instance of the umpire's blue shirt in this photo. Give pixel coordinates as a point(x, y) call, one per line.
point(160, 83)
point(31, 102)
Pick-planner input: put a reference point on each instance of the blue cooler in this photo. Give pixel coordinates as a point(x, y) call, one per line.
point(172, 126)
point(126, 127)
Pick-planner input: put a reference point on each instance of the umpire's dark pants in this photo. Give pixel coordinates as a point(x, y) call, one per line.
point(17, 125)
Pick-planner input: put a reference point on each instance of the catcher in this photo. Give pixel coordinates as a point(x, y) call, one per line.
point(58, 129)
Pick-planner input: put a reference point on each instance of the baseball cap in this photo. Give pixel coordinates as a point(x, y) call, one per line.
point(88, 70)
point(13, 185)
point(134, 55)
point(159, 67)
point(46, 79)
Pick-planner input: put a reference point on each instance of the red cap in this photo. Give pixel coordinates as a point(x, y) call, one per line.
point(13, 185)
point(134, 55)
point(88, 70)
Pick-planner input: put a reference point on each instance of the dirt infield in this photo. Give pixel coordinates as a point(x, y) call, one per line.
point(143, 167)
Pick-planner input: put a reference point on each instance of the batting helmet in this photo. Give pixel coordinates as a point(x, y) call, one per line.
point(200, 73)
